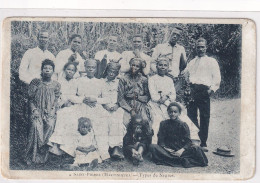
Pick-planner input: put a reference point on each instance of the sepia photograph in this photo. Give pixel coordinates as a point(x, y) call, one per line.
point(123, 98)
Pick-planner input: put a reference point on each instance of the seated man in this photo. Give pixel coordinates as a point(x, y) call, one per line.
point(137, 139)
point(175, 147)
point(115, 113)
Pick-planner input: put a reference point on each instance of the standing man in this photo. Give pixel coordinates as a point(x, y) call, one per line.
point(136, 53)
point(70, 54)
point(31, 62)
point(204, 76)
point(173, 51)
point(103, 57)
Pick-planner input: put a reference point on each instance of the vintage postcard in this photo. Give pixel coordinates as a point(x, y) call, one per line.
point(128, 98)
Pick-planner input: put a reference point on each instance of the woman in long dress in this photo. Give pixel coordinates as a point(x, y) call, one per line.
point(133, 93)
point(70, 110)
point(43, 97)
point(162, 91)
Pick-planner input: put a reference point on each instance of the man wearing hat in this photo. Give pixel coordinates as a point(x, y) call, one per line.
point(204, 76)
point(173, 51)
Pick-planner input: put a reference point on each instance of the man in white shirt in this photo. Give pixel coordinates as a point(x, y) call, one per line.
point(173, 51)
point(109, 55)
point(30, 66)
point(137, 52)
point(70, 54)
point(204, 75)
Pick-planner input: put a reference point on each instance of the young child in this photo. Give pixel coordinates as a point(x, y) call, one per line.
point(137, 139)
point(82, 146)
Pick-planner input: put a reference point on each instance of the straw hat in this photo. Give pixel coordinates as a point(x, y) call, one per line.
point(223, 151)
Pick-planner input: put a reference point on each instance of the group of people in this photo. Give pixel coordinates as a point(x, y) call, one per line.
point(118, 106)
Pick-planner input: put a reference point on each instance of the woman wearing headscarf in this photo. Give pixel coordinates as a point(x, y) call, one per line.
point(133, 93)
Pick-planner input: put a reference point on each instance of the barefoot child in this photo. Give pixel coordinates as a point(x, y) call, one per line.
point(82, 146)
point(137, 139)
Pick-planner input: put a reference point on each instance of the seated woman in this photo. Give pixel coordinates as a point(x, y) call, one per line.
point(43, 98)
point(69, 112)
point(115, 113)
point(137, 139)
point(162, 91)
point(175, 147)
point(82, 145)
point(90, 88)
point(133, 93)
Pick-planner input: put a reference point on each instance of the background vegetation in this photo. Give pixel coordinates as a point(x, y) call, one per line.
point(224, 43)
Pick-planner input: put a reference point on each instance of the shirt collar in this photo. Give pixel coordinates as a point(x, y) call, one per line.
point(205, 56)
point(175, 46)
point(38, 48)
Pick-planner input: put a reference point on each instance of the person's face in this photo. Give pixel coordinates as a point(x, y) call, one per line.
point(137, 43)
point(70, 71)
point(111, 74)
point(201, 48)
point(91, 68)
point(112, 42)
point(135, 66)
point(75, 44)
point(43, 39)
point(47, 71)
point(162, 67)
point(174, 38)
point(173, 112)
point(85, 128)
point(138, 129)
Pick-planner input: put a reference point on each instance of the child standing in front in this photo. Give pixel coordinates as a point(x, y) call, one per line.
point(82, 146)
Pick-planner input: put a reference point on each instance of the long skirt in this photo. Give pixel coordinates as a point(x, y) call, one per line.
point(66, 126)
point(191, 157)
point(99, 118)
point(40, 131)
point(117, 130)
point(141, 109)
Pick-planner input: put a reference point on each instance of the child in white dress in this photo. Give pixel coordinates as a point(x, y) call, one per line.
point(82, 146)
